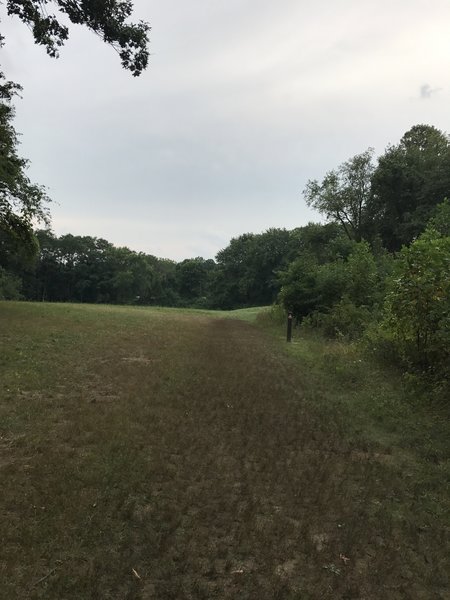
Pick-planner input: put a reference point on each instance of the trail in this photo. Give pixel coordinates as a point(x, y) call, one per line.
point(252, 495)
point(174, 456)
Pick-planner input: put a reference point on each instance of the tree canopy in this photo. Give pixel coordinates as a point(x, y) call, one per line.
point(21, 202)
point(344, 193)
point(107, 18)
point(411, 179)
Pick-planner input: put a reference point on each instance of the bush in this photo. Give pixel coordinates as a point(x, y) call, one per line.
point(343, 320)
point(362, 281)
point(379, 340)
point(10, 286)
point(417, 308)
point(308, 286)
point(357, 282)
point(299, 288)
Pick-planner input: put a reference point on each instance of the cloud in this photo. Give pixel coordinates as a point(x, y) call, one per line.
point(242, 103)
point(426, 91)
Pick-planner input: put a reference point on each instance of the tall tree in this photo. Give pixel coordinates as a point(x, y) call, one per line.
point(21, 202)
point(410, 180)
point(107, 18)
point(344, 193)
point(194, 278)
point(247, 269)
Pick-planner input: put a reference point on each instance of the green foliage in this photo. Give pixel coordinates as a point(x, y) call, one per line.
point(324, 241)
point(10, 286)
point(378, 341)
point(252, 268)
point(344, 193)
point(21, 202)
point(418, 305)
point(343, 320)
point(18, 254)
point(247, 269)
point(346, 294)
point(298, 286)
point(362, 276)
point(276, 314)
point(410, 180)
point(309, 287)
point(393, 201)
point(440, 221)
point(331, 283)
point(193, 277)
point(88, 269)
point(106, 18)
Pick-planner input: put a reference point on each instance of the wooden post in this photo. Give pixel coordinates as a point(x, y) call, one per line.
point(289, 327)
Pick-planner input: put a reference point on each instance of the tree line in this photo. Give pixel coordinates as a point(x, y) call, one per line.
point(377, 270)
point(388, 285)
point(73, 268)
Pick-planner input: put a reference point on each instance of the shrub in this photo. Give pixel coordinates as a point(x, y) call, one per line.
point(379, 340)
point(417, 308)
point(362, 275)
point(299, 286)
point(343, 320)
point(10, 286)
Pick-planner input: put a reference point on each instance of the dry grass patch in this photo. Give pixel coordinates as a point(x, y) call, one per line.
point(149, 454)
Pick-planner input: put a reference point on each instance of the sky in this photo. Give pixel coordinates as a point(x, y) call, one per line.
point(243, 102)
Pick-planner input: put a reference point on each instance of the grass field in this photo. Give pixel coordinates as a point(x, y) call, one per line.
point(166, 454)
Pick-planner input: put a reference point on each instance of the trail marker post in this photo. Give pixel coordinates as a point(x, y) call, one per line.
point(289, 327)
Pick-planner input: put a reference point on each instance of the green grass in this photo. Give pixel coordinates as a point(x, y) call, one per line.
point(250, 315)
point(165, 453)
point(385, 418)
point(373, 399)
point(246, 314)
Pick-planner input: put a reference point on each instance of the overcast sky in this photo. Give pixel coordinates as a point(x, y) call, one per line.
point(242, 103)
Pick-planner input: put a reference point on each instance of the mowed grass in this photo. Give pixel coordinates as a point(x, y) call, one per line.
point(156, 454)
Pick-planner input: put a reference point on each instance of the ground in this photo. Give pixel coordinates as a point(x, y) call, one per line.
point(156, 454)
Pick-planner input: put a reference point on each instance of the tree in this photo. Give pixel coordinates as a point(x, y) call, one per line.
point(230, 281)
point(107, 18)
point(299, 291)
point(193, 280)
point(338, 295)
point(344, 193)
point(440, 221)
point(324, 241)
point(247, 269)
point(410, 180)
point(21, 202)
point(88, 269)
